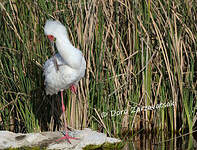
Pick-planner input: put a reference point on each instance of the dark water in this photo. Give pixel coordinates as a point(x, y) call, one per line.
point(162, 142)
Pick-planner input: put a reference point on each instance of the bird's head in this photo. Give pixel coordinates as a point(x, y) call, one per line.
point(54, 29)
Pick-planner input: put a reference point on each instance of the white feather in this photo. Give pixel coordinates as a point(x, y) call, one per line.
point(70, 60)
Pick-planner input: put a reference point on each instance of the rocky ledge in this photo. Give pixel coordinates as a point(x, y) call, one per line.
point(88, 139)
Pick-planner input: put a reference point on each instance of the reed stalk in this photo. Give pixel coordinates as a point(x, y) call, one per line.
point(140, 74)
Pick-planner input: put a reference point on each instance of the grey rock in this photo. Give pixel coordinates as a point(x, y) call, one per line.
point(48, 139)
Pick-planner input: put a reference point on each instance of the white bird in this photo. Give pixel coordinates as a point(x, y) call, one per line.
point(65, 68)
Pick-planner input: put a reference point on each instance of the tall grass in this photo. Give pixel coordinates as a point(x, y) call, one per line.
point(140, 74)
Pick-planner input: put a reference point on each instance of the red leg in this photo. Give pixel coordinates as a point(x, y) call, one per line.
point(63, 111)
point(73, 88)
point(67, 137)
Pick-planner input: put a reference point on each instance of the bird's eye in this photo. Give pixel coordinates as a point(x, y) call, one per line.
point(51, 37)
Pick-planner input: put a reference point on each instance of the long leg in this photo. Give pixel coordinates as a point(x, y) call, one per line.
point(67, 137)
point(63, 111)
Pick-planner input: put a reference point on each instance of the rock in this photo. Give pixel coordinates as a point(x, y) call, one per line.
point(87, 138)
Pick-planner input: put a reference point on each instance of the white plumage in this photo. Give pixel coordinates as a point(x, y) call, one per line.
point(71, 65)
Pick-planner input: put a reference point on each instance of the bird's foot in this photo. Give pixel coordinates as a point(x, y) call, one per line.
point(73, 88)
point(67, 137)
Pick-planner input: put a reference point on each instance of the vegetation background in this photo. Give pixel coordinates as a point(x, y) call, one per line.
point(141, 65)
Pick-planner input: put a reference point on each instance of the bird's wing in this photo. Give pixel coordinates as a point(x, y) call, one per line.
point(56, 80)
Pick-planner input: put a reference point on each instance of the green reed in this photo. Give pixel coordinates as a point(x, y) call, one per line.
point(138, 53)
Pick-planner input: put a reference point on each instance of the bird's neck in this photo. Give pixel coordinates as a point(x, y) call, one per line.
point(67, 51)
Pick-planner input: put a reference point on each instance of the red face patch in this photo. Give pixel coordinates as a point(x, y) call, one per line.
point(50, 37)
